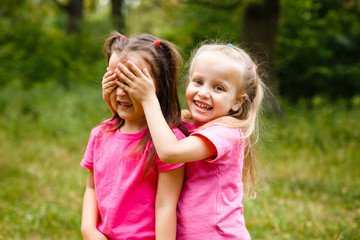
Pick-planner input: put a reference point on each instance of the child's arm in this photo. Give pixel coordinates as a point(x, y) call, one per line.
point(169, 149)
point(167, 196)
point(108, 85)
point(90, 213)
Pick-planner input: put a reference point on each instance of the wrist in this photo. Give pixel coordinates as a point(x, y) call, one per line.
point(150, 102)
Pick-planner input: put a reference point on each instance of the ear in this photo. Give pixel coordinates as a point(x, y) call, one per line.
point(239, 101)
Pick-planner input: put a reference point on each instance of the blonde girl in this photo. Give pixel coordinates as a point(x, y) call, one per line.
point(223, 97)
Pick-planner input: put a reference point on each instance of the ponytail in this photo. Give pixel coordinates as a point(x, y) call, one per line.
point(114, 42)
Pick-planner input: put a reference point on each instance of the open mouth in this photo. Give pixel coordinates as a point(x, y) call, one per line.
point(203, 106)
point(123, 104)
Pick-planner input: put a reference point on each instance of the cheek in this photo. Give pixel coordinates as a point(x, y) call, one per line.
point(188, 92)
point(113, 95)
point(188, 97)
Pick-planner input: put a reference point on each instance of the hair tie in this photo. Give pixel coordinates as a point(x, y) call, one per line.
point(256, 67)
point(122, 37)
point(157, 42)
point(230, 45)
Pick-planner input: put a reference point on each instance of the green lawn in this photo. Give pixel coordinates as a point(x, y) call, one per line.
point(310, 160)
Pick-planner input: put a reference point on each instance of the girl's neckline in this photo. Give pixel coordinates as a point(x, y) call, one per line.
point(120, 134)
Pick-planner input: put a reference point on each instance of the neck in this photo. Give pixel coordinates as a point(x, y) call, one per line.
point(133, 127)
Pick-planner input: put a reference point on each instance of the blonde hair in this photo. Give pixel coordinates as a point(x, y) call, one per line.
point(246, 117)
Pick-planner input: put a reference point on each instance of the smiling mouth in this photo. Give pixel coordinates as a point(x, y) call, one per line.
point(203, 106)
point(127, 105)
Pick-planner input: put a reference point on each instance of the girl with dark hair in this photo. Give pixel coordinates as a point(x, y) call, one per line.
point(128, 187)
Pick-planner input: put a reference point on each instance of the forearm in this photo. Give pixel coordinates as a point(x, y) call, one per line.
point(168, 147)
point(169, 188)
point(165, 223)
point(90, 212)
point(161, 133)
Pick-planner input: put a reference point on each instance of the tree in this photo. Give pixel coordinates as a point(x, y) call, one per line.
point(74, 9)
point(118, 19)
point(261, 27)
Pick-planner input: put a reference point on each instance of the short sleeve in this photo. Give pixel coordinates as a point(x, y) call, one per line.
point(163, 167)
point(87, 161)
point(223, 138)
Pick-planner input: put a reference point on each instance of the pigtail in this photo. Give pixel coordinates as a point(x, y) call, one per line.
point(114, 42)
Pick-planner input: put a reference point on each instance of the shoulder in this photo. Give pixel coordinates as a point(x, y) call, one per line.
point(221, 131)
point(103, 127)
point(228, 141)
point(221, 136)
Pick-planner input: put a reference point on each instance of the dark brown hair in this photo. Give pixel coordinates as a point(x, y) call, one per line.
point(164, 61)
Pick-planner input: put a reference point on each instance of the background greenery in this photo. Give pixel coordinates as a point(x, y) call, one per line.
point(50, 98)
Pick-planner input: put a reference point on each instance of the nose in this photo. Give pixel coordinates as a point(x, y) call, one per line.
point(203, 92)
point(120, 92)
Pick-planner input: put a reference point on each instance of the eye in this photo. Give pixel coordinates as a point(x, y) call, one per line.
point(219, 88)
point(197, 82)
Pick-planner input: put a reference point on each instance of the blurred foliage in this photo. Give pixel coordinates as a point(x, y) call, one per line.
point(318, 43)
point(34, 47)
point(319, 48)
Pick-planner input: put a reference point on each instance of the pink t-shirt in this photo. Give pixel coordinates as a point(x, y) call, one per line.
point(210, 205)
point(126, 199)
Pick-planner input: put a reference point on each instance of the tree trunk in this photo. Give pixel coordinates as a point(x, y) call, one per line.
point(118, 19)
point(75, 11)
point(260, 29)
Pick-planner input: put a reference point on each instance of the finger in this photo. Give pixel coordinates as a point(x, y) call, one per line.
point(123, 69)
point(107, 75)
point(146, 73)
point(109, 86)
point(135, 69)
point(112, 77)
point(124, 79)
point(118, 82)
point(109, 79)
point(123, 86)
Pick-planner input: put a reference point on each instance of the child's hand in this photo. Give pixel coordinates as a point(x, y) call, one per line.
point(137, 83)
point(108, 85)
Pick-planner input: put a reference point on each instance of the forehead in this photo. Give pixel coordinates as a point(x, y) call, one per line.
point(217, 65)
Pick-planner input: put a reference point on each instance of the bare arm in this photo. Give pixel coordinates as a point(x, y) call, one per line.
point(168, 147)
point(90, 213)
point(168, 192)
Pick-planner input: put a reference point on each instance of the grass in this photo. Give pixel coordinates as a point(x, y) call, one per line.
point(309, 155)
